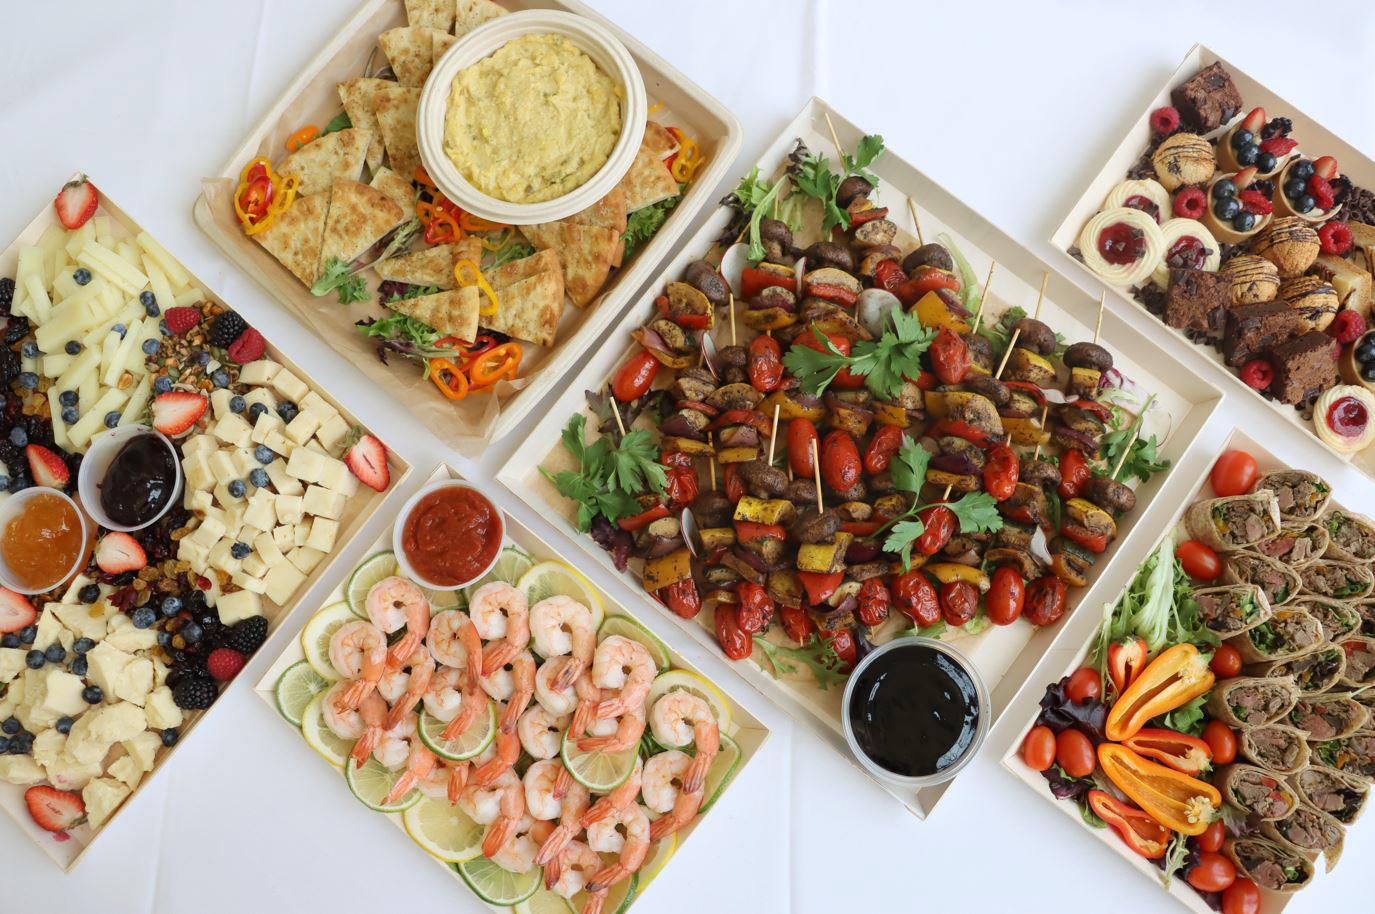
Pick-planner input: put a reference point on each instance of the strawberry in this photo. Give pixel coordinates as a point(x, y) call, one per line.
point(1321, 192)
point(366, 457)
point(47, 468)
point(16, 611)
point(118, 553)
point(76, 202)
point(1325, 166)
point(176, 411)
point(1278, 146)
point(1253, 201)
point(249, 346)
point(224, 663)
point(181, 320)
point(1254, 121)
point(53, 809)
point(1164, 121)
point(1243, 178)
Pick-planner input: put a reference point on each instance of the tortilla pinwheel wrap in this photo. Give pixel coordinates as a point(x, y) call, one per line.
point(1252, 701)
point(1232, 608)
point(1338, 580)
point(1330, 715)
point(1310, 832)
point(1342, 796)
point(1287, 634)
point(1234, 522)
point(1275, 747)
point(1360, 661)
point(1297, 546)
point(1299, 494)
point(1339, 620)
point(1313, 672)
point(1351, 537)
point(1261, 793)
point(1273, 867)
point(1280, 583)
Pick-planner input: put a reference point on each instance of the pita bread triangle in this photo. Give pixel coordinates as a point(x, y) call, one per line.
point(529, 308)
point(410, 52)
point(394, 186)
point(335, 155)
point(469, 14)
point(395, 107)
point(585, 255)
point(608, 212)
point(432, 14)
point(433, 266)
point(296, 236)
point(647, 182)
point(358, 216)
point(357, 96)
point(660, 143)
point(442, 42)
point(453, 313)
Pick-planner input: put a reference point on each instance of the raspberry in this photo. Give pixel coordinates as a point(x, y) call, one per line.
point(1164, 121)
point(1278, 146)
point(1335, 237)
point(249, 346)
point(1253, 201)
point(181, 320)
point(1190, 203)
point(1321, 191)
point(224, 663)
point(1347, 327)
point(1257, 374)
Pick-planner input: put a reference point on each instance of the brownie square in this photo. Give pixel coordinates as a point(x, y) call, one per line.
point(1209, 100)
point(1304, 367)
point(1196, 299)
point(1252, 329)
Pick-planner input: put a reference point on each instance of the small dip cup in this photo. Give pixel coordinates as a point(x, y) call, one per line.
point(398, 534)
point(13, 507)
point(100, 454)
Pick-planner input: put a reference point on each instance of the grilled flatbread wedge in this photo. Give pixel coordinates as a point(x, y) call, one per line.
point(358, 216)
point(296, 236)
point(357, 96)
point(608, 212)
point(516, 270)
point(530, 308)
point(585, 253)
point(469, 14)
point(431, 14)
point(396, 187)
point(453, 313)
point(647, 182)
point(395, 107)
point(442, 41)
point(335, 155)
point(432, 266)
point(410, 51)
point(658, 141)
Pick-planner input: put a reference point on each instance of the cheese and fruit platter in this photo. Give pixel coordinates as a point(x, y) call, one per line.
point(172, 485)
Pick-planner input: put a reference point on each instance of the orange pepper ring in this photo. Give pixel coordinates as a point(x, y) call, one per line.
point(302, 137)
point(457, 388)
point(506, 358)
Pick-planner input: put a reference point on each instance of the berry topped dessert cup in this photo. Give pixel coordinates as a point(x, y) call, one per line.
point(1236, 211)
point(1252, 142)
point(1304, 189)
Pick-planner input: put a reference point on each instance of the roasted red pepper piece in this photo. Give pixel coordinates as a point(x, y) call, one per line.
point(1001, 469)
point(882, 447)
point(756, 607)
point(838, 295)
point(686, 321)
point(765, 364)
point(1180, 751)
point(873, 602)
point(643, 519)
point(682, 598)
point(868, 215)
point(753, 418)
point(1126, 660)
point(1032, 390)
point(926, 279)
point(915, 597)
point(1074, 472)
point(747, 531)
point(1094, 542)
point(754, 280)
point(681, 490)
point(861, 527)
point(888, 275)
point(949, 356)
point(820, 586)
point(1137, 829)
point(733, 482)
point(797, 625)
point(960, 429)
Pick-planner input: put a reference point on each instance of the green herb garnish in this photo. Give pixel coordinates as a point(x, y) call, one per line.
point(642, 224)
point(610, 475)
point(885, 363)
point(339, 276)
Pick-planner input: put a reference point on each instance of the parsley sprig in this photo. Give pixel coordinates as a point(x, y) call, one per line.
point(818, 655)
point(975, 512)
point(610, 475)
point(812, 174)
point(1143, 461)
point(754, 197)
point(884, 363)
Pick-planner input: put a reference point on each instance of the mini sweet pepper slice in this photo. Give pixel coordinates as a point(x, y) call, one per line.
point(1179, 751)
point(1179, 675)
point(1175, 800)
point(1137, 829)
point(1126, 660)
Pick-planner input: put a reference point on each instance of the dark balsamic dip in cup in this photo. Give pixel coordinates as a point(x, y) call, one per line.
point(139, 481)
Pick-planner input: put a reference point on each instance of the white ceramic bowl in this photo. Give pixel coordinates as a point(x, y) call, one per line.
point(597, 42)
point(10, 507)
point(405, 513)
point(101, 452)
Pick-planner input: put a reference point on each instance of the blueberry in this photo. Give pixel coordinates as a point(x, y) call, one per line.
point(55, 653)
point(237, 404)
point(259, 477)
point(1366, 351)
point(163, 384)
point(1244, 221)
point(78, 666)
point(219, 377)
point(256, 410)
point(240, 550)
point(35, 660)
point(21, 744)
point(120, 329)
point(1224, 188)
point(28, 380)
point(171, 605)
point(4, 745)
point(1227, 208)
point(68, 398)
point(72, 348)
point(82, 645)
point(92, 694)
point(169, 736)
point(201, 357)
point(11, 640)
point(147, 299)
point(191, 632)
point(262, 453)
point(1294, 188)
point(151, 347)
point(162, 326)
point(1247, 155)
point(11, 726)
point(1266, 162)
point(64, 725)
point(28, 633)
point(81, 275)
point(1305, 204)
point(30, 350)
point(1368, 371)
point(237, 488)
point(164, 638)
point(1242, 137)
point(112, 418)
point(1302, 169)
point(143, 617)
point(70, 415)
point(287, 410)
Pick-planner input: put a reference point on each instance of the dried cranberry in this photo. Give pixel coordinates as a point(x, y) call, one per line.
point(1121, 244)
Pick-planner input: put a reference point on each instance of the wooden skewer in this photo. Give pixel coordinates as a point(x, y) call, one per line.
point(711, 459)
point(615, 411)
point(1125, 452)
point(773, 436)
point(1011, 344)
point(1098, 325)
point(834, 139)
point(916, 223)
point(1040, 299)
point(816, 468)
point(731, 303)
point(983, 299)
point(1036, 454)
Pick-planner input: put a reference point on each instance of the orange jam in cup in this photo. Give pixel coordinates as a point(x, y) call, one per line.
point(42, 542)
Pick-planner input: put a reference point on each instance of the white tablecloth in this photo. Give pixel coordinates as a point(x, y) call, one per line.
point(1009, 106)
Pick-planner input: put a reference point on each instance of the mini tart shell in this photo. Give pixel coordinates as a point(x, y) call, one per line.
point(1227, 157)
point(1176, 229)
point(1153, 190)
point(1325, 432)
point(1289, 243)
point(1314, 298)
point(1185, 158)
point(1283, 206)
point(1254, 279)
point(1131, 274)
point(1350, 369)
point(1223, 231)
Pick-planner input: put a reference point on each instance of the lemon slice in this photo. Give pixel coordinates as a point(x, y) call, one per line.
point(511, 564)
point(444, 600)
point(373, 569)
point(627, 627)
point(296, 687)
point(617, 900)
point(315, 638)
point(467, 744)
point(682, 679)
point(497, 886)
point(334, 748)
point(372, 781)
point(662, 852)
point(599, 772)
point(545, 902)
point(549, 579)
point(722, 770)
point(443, 830)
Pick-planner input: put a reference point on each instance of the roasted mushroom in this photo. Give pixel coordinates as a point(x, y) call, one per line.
point(1109, 494)
point(1041, 473)
point(1035, 336)
point(777, 238)
point(850, 188)
point(764, 481)
point(928, 255)
point(810, 527)
point(708, 280)
point(830, 254)
point(988, 386)
point(876, 233)
point(1088, 355)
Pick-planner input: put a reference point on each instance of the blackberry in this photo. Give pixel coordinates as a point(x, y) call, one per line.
point(226, 328)
point(16, 329)
point(245, 636)
point(6, 295)
point(194, 693)
point(9, 366)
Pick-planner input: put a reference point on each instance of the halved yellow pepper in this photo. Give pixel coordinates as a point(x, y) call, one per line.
point(1176, 677)
point(1175, 800)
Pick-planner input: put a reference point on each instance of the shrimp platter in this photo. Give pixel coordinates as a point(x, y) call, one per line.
point(528, 734)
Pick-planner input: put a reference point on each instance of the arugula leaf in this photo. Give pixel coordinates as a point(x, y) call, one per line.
point(971, 294)
point(934, 630)
point(400, 239)
point(908, 470)
point(513, 247)
point(400, 326)
point(817, 655)
point(977, 512)
point(339, 122)
point(413, 292)
point(339, 276)
point(642, 224)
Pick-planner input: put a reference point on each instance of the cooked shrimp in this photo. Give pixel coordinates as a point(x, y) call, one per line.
point(516, 854)
point(523, 689)
point(619, 798)
point(630, 726)
point(570, 812)
point(397, 676)
point(539, 789)
point(344, 721)
point(577, 864)
point(419, 764)
point(626, 667)
point(685, 807)
point(394, 748)
point(553, 699)
point(507, 752)
point(453, 639)
point(417, 684)
point(394, 603)
point(358, 651)
point(633, 845)
point(445, 780)
point(510, 813)
point(482, 803)
point(562, 626)
point(679, 719)
point(502, 616)
point(373, 714)
point(589, 697)
point(541, 733)
point(663, 779)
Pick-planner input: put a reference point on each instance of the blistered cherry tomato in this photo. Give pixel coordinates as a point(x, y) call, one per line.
point(940, 523)
point(839, 461)
point(1233, 474)
point(845, 380)
point(882, 448)
point(873, 602)
point(797, 625)
point(1000, 472)
point(1038, 749)
point(1074, 753)
point(1222, 741)
point(682, 598)
point(1212, 873)
point(1045, 600)
point(959, 602)
point(756, 609)
point(949, 356)
point(1199, 560)
point(765, 364)
point(843, 643)
point(801, 436)
point(1074, 472)
point(1226, 661)
point(1005, 596)
point(735, 641)
point(635, 376)
point(1241, 897)
point(1084, 685)
point(1212, 837)
point(915, 597)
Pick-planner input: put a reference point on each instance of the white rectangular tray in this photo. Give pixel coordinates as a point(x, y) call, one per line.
point(312, 98)
point(1004, 655)
point(747, 730)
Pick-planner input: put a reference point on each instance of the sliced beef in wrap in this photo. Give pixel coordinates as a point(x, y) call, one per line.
point(1313, 672)
point(1351, 537)
point(1338, 619)
point(1308, 831)
point(1286, 634)
point(1232, 609)
point(1235, 522)
point(1271, 866)
point(1325, 717)
point(1275, 748)
point(1296, 546)
point(1360, 661)
point(1261, 793)
point(1354, 754)
point(1279, 583)
point(1301, 495)
point(1341, 796)
point(1338, 580)
point(1252, 701)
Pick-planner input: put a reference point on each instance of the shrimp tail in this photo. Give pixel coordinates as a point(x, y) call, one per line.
point(399, 711)
point(458, 779)
point(696, 775)
point(403, 649)
point(486, 773)
point(497, 834)
point(598, 811)
point(403, 786)
point(606, 878)
point(467, 713)
point(499, 653)
point(572, 668)
point(365, 745)
point(357, 691)
point(553, 846)
point(596, 902)
point(610, 743)
point(583, 716)
point(664, 826)
point(611, 707)
point(562, 784)
point(553, 869)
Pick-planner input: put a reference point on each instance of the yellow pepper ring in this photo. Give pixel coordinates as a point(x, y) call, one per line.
point(481, 282)
point(689, 158)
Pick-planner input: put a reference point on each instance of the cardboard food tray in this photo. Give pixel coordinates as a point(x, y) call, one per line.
point(1314, 140)
point(312, 98)
point(1003, 655)
point(1071, 653)
point(747, 730)
point(360, 508)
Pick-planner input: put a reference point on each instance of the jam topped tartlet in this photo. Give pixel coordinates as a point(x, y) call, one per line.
point(1122, 245)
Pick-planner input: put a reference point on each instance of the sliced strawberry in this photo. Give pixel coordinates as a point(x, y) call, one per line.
point(1326, 166)
point(181, 320)
point(47, 468)
point(1278, 146)
point(1253, 201)
point(249, 346)
point(76, 202)
point(16, 611)
point(1254, 121)
point(53, 809)
point(120, 552)
point(366, 457)
point(176, 411)
point(1321, 190)
point(1243, 178)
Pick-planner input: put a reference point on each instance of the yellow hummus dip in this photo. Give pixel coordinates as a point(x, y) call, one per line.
point(532, 122)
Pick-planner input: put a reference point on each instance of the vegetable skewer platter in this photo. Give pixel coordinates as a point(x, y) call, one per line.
point(1215, 727)
point(509, 834)
point(1248, 229)
point(789, 606)
point(468, 321)
point(172, 485)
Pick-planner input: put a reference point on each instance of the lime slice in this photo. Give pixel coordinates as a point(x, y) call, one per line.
point(548, 579)
point(373, 569)
point(682, 679)
point(443, 830)
point(315, 638)
point(497, 886)
point(467, 744)
point(722, 770)
point(296, 687)
point(662, 852)
point(444, 600)
point(627, 627)
point(320, 737)
point(545, 902)
point(510, 565)
point(599, 772)
point(617, 900)
point(372, 781)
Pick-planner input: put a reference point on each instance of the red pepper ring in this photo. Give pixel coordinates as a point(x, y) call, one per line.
point(1180, 751)
point(835, 294)
point(1135, 827)
point(1036, 393)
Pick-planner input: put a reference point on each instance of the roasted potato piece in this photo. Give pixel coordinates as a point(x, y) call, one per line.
point(764, 510)
point(734, 396)
point(954, 480)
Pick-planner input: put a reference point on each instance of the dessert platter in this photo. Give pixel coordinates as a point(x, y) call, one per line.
point(807, 449)
point(1215, 729)
point(463, 268)
point(171, 485)
point(1249, 230)
point(535, 739)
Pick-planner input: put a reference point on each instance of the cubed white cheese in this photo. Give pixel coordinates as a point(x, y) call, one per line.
point(136, 681)
point(233, 430)
point(222, 466)
point(161, 710)
point(302, 533)
point(306, 465)
point(282, 481)
point(82, 620)
point(245, 462)
point(209, 532)
point(262, 395)
point(21, 770)
point(222, 557)
point(301, 429)
point(288, 507)
point(282, 582)
point(258, 373)
point(249, 583)
point(324, 503)
point(66, 773)
point(193, 553)
point(143, 749)
point(254, 567)
point(199, 501)
point(284, 536)
point(266, 549)
point(198, 444)
point(241, 604)
point(261, 513)
point(102, 797)
point(47, 747)
point(219, 401)
point(105, 663)
point(266, 424)
point(48, 627)
point(289, 386)
point(337, 477)
point(123, 634)
point(317, 406)
point(305, 559)
point(199, 475)
point(279, 443)
point(127, 771)
point(11, 663)
point(332, 433)
point(53, 693)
